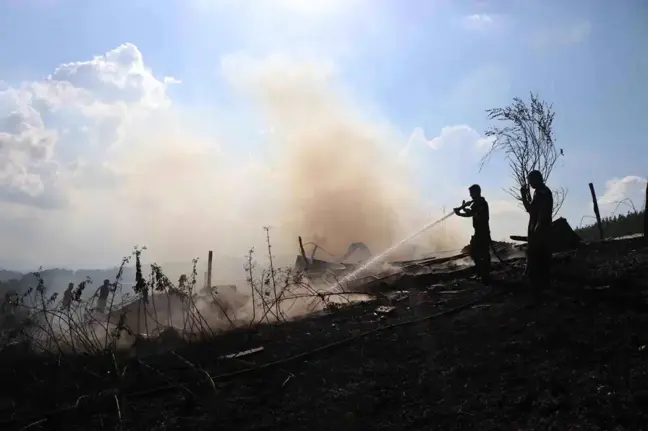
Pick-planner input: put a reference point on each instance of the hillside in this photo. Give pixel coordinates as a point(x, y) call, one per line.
point(452, 355)
point(6, 275)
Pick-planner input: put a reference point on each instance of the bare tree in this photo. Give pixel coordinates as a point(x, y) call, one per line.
point(527, 141)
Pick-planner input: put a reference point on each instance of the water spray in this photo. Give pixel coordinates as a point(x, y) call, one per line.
point(376, 259)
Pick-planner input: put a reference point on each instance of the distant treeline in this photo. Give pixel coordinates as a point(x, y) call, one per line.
point(614, 226)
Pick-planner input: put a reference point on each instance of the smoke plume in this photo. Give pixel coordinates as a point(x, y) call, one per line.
point(340, 180)
point(328, 174)
point(319, 166)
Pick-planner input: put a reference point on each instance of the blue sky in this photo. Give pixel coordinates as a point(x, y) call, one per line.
point(433, 65)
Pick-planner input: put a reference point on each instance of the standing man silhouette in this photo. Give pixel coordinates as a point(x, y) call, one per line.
point(540, 209)
point(104, 291)
point(481, 240)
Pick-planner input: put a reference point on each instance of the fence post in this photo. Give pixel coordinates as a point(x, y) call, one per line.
point(596, 211)
point(646, 214)
point(303, 252)
point(209, 269)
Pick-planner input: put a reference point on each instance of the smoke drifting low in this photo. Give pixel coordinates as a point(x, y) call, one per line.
point(322, 171)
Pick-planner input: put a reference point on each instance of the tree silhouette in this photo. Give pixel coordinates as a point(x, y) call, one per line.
point(527, 141)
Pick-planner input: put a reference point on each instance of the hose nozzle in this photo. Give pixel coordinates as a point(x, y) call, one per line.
point(463, 205)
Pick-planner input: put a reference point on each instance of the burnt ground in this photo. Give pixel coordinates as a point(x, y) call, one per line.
point(572, 357)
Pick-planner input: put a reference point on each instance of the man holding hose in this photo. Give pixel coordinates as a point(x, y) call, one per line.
point(481, 240)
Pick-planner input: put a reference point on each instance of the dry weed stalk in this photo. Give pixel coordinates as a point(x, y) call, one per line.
point(78, 328)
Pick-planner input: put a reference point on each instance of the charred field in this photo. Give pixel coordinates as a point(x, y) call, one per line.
point(451, 355)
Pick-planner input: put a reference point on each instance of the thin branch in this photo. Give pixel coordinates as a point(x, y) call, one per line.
point(527, 142)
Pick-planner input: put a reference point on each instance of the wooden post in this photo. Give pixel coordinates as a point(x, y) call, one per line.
point(596, 211)
point(646, 214)
point(209, 269)
point(303, 252)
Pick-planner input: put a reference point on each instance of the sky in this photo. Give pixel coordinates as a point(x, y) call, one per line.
point(189, 125)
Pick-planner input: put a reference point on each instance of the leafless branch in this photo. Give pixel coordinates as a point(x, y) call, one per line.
point(627, 202)
point(585, 217)
point(527, 141)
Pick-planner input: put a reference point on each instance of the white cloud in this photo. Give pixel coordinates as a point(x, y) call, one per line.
point(60, 152)
point(26, 149)
point(118, 77)
point(477, 21)
point(104, 95)
point(631, 188)
point(459, 135)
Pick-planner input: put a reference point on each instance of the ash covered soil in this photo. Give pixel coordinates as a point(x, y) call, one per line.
point(572, 357)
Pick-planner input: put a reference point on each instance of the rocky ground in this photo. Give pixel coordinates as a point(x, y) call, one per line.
point(572, 357)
